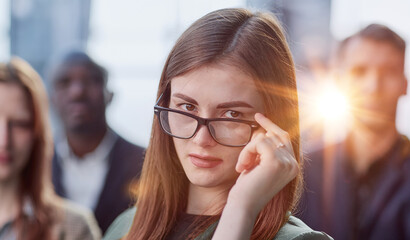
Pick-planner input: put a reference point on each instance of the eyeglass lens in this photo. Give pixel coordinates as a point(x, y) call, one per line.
point(224, 132)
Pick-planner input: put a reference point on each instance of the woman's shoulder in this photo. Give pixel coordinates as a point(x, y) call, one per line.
point(121, 225)
point(295, 228)
point(76, 222)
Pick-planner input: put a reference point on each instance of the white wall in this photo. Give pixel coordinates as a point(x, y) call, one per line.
point(4, 30)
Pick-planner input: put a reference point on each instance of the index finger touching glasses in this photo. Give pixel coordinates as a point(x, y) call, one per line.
point(271, 128)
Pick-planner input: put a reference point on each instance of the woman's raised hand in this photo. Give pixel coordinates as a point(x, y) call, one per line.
point(266, 165)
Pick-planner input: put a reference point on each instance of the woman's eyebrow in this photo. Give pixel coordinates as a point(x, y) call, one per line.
point(221, 105)
point(185, 97)
point(234, 104)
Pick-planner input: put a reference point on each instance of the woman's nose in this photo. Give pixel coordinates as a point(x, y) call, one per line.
point(203, 137)
point(4, 135)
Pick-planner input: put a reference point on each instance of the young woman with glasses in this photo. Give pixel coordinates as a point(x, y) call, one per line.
point(223, 160)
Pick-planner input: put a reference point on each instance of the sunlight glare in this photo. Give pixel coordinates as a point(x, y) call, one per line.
point(331, 104)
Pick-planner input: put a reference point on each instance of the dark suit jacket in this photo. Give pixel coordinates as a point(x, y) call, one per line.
point(125, 164)
point(384, 214)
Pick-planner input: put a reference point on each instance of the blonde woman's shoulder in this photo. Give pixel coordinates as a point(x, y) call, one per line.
point(76, 222)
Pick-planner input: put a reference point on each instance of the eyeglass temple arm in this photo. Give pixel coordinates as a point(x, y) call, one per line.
point(159, 99)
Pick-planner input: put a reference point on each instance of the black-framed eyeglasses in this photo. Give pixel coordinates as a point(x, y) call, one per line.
point(225, 131)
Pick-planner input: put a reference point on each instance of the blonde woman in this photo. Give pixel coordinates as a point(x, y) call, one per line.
point(29, 209)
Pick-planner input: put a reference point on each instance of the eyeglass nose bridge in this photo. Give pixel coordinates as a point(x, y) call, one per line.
point(204, 122)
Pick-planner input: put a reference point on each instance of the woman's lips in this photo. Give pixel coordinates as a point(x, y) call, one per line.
point(5, 158)
point(204, 161)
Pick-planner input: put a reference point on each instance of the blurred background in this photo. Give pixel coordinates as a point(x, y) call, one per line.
point(132, 38)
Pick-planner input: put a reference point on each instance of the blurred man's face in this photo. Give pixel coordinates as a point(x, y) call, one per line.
point(374, 73)
point(79, 97)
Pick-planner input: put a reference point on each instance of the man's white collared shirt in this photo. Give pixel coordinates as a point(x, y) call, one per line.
point(84, 178)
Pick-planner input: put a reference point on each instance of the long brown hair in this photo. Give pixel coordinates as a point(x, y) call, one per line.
point(35, 181)
point(255, 43)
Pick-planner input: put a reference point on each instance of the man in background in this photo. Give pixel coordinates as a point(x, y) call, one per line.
point(360, 188)
point(93, 165)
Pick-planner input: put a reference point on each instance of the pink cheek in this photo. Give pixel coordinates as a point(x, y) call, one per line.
point(24, 142)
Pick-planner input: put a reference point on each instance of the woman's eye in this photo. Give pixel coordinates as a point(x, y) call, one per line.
point(232, 114)
point(20, 124)
point(188, 107)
